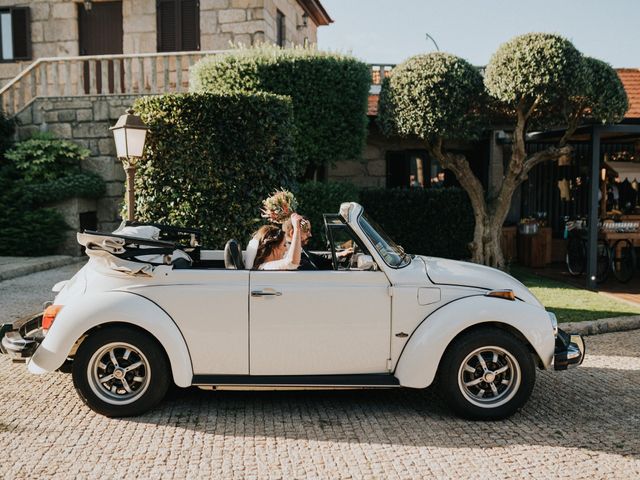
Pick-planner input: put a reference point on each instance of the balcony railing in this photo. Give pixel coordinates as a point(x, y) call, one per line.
point(147, 73)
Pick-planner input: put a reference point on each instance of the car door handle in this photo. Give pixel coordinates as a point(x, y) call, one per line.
point(262, 293)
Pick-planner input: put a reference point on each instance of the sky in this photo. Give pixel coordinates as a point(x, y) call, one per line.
point(390, 31)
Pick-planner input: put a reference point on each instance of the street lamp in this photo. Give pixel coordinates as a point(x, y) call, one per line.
point(129, 133)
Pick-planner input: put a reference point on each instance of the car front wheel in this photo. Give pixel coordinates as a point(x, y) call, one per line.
point(119, 372)
point(487, 374)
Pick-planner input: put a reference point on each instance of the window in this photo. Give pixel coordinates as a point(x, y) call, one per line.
point(178, 25)
point(15, 34)
point(413, 169)
point(281, 34)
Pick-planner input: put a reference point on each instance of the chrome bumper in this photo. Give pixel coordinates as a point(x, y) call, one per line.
point(569, 351)
point(20, 339)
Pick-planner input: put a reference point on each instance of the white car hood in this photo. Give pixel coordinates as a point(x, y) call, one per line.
point(452, 272)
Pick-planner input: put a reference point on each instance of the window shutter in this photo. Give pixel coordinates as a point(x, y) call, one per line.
point(190, 23)
point(167, 25)
point(21, 30)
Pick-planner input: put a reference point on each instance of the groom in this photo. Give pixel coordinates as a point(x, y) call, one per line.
point(308, 260)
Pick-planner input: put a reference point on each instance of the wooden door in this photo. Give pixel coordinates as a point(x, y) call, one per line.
point(100, 30)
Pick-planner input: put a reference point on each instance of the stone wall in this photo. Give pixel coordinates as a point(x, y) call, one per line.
point(86, 121)
point(293, 19)
point(371, 169)
point(54, 32)
point(54, 26)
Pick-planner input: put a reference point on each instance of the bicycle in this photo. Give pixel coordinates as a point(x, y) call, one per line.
point(575, 232)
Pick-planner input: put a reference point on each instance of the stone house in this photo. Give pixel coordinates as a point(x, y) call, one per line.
point(35, 29)
point(72, 67)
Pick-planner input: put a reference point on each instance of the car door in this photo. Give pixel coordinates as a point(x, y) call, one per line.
point(319, 322)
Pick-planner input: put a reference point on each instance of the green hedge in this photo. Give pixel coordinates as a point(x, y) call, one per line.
point(329, 93)
point(437, 222)
point(31, 232)
point(315, 199)
point(36, 172)
point(7, 129)
point(211, 158)
point(84, 184)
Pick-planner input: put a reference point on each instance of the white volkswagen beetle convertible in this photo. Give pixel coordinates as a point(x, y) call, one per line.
point(127, 326)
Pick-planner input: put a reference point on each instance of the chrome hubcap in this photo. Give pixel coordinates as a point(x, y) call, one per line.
point(489, 377)
point(118, 373)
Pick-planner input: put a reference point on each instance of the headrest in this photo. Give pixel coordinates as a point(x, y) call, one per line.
point(233, 256)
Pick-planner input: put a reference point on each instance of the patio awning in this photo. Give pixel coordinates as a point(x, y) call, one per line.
point(626, 170)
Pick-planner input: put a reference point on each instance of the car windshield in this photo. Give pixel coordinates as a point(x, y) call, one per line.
point(392, 253)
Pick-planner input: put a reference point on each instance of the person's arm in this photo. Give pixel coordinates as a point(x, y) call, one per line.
point(292, 256)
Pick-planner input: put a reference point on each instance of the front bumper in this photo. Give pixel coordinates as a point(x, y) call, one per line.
point(569, 351)
point(20, 339)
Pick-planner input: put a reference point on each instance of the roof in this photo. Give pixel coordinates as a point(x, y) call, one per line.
point(630, 78)
point(316, 11)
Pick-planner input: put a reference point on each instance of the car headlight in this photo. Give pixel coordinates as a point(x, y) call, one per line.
point(554, 323)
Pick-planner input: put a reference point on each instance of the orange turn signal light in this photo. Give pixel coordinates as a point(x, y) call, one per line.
point(506, 294)
point(49, 316)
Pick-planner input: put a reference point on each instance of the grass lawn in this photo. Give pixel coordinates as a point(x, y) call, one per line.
point(572, 304)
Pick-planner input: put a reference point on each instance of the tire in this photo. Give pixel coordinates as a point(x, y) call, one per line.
point(499, 350)
point(128, 391)
point(624, 266)
point(603, 263)
point(576, 257)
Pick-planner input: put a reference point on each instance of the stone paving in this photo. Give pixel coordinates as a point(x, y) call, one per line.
point(583, 423)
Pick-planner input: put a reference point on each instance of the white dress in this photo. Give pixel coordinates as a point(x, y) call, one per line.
point(285, 263)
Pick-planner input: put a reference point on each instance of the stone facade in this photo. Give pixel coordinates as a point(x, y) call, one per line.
point(54, 26)
point(371, 169)
point(86, 121)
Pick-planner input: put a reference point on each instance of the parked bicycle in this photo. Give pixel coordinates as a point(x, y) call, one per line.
point(615, 256)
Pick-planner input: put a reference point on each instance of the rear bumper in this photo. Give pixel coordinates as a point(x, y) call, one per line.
point(20, 339)
point(569, 351)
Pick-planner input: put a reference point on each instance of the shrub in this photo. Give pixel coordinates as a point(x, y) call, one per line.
point(41, 170)
point(315, 199)
point(436, 222)
point(84, 184)
point(31, 232)
point(329, 93)
point(211, 158)
point(44, 157)
point(432, 96)
point(7, 129)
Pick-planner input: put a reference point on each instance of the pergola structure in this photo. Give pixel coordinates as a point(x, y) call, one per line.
point(596, 135)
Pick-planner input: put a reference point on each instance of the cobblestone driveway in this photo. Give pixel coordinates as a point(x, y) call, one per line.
point(584, 423)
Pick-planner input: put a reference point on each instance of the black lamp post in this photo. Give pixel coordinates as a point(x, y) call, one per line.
point(130, 133)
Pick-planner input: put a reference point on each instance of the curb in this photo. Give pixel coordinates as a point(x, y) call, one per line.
point(35, 264)
point(604, 325)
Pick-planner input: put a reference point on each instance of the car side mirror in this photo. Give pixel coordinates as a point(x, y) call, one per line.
point(365, 262)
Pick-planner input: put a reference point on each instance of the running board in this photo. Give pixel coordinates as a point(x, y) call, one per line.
point(361, 380)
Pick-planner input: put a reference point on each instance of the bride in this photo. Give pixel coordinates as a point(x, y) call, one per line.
point(272, 251)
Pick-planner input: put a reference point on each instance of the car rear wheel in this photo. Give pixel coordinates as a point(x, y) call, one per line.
point(487, 374)
point(119, 372)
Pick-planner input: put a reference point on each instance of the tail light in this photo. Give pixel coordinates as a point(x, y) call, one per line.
point(49, 316)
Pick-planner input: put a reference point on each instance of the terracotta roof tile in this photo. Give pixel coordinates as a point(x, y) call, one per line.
point(630, 78)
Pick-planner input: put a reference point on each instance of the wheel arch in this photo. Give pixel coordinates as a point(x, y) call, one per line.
point(421, 357)
point(95, 311)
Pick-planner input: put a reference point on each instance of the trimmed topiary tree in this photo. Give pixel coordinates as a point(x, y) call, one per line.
point(210, 159)
point(534, 79)
point(329, 93)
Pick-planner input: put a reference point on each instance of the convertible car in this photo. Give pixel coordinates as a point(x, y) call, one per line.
point(153, 309)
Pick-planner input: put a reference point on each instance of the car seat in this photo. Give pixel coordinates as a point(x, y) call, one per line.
point(233, 256)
